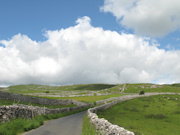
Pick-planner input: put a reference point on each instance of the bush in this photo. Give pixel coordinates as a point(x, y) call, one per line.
point(95, 103)
point(141, 92)
point(47, 92)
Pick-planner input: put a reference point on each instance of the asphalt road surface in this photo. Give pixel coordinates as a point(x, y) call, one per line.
point(69, 125)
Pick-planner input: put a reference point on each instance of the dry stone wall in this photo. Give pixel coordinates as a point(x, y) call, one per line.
point(105, 127)
point(106, 100)
point(7, 113)
point(37, 100)
point(15, 111)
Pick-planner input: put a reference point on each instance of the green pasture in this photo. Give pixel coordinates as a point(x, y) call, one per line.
point(154, 115)
point(136, 88)
point(100, 88)
point(89, 99)
point(33, 88)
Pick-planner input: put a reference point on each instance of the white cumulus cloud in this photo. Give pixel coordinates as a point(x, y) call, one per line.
point(146, 17)
point(86, 54)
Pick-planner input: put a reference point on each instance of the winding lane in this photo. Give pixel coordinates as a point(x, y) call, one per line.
point(72, 125)
point(69, 125)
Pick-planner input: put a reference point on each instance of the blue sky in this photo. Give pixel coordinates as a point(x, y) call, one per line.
point(104, 41)
point(34, 16)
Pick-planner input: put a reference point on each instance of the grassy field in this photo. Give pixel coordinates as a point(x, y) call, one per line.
point(136, 88)
point(33, 88)
point(155, 115)
point(10, 102)
point(89, 99)
point(50, 91)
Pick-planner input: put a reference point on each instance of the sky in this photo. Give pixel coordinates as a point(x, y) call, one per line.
point(64, 42)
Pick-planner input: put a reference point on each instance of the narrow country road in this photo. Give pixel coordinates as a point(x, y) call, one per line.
point(69, 125)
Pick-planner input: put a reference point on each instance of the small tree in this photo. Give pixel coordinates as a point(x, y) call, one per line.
point(141, 92)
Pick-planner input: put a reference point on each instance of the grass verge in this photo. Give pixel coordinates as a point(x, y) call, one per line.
point(87, 127)
point(20, 125)
point(154, 115)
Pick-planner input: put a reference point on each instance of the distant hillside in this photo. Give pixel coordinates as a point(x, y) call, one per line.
point(33, 88)
point(92, 88)
point(176, 85)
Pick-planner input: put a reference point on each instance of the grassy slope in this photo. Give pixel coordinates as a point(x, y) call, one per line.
point(113, 90)
point(136, 88)
point(130, 88)
point(89, 99)
point(156, 115)
point(32, 88)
